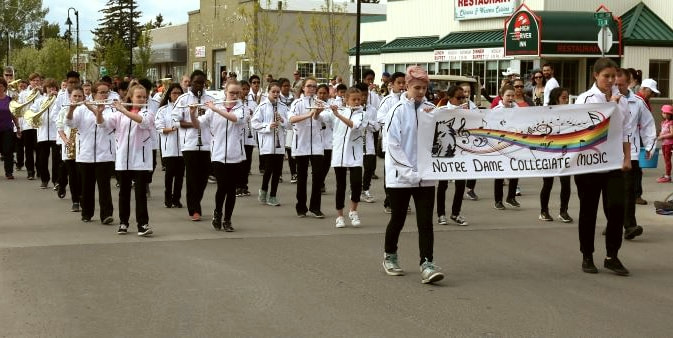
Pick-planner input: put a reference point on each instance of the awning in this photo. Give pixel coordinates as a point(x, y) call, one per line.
point(642, 27)
point(460, 40)
point(165, 53)
point(566, 33)
point(368, 48)
point(410, 44)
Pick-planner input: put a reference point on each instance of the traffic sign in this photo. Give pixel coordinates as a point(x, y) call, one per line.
point(603, 18)
point(604, 39)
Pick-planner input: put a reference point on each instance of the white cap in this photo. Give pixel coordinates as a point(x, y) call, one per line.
point(649, 83)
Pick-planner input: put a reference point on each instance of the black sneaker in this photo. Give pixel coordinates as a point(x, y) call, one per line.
point(144, 230)
point(239, 192)
point(544, 216)
point(217, 220)
point(177, 204)
point(123, 229)
point(43, 185)
point(564, 217)
point(316, 213)
point(75, 207)
point(375, 177)
point(322, 189)
point(86, 219)
point(616, 266)
point(499, 206)
point(301, 214)
point(293, 179)
point(56, 186)
point(227, 226)
point(633, 232)
point(245, 192)
point(588, 265)
point(61, 193)
point(31, 175)
point(108, 220)
point(168, 204)
point(512, 203)
point(471, 195)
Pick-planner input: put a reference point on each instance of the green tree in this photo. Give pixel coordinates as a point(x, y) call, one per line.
point(115, 58)
point(118, 23)
point(143, 54)
point(25, 61)
point(46, 31)
point(54, 58)
point(19, 19)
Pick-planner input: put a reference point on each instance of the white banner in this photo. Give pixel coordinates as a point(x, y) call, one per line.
point(520, 142)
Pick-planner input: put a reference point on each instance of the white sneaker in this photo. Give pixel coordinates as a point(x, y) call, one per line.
point(355, 218)
point(340, 222)
point(368, 197)
point(442, 220)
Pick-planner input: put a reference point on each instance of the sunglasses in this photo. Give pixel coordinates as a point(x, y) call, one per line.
point(538, 77)
point(9, 74)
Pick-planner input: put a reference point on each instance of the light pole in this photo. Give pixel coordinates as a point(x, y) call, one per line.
point(69, 23)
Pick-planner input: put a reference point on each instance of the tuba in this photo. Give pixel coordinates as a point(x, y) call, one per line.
point(35, 118)
point(17, 109)
point(71, 148)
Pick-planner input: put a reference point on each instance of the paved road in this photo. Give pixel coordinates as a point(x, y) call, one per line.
point(507, 274)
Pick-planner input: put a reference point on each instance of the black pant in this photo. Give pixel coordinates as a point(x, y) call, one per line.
point(72, 172)
point(44, 148)
point(96, 174)
point(326, 164)
point(244, 171)
point(175, 172)
point(424, 199)
point(386, 202)
point(589, 190)
point(226, 187)
point(638, 173)
point(457, 197)
point(126, 179)
point(547, 184)
point(316, 182)
point(630, 194)
point(27, 148)
point(511, 188)
point(197, 168)
point(369, 166)
point(291, 162)
point(7, 139)
point(356, 185)
point(272, 171)
point(154, 166)
point(470, 184)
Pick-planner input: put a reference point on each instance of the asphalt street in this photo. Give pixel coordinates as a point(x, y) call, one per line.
point(507, 273)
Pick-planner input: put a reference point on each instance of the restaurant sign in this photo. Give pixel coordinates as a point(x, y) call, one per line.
point(522, 33)
point(470, 54)
point(482, 9)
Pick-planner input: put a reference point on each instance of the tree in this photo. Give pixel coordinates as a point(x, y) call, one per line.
point(325, 36)
point(25, 61)
point(118, 23)
point(115, 58)
point(53, 60)
point(47, 31)
point(19, 19)
point(143, 54)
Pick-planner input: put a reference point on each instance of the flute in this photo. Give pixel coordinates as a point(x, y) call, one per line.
point(103, 103)
point(198, 105)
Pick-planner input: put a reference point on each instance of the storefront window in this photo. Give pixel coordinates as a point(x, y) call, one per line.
point(400, 67)
point(491, 78)
point(455, 68)
point(305, 69)
point(479, 69)
point(443, 68)
point(466, 68)
point(322, 72)
point(390, 68)
point(527, 69)
point(431, 68)
point(566, 73)
point(659, 71)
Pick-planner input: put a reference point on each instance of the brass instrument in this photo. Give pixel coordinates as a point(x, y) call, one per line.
point(35, 118)
point(14, 85)
point(17, 109)
point(277, 119)
point(71, 148)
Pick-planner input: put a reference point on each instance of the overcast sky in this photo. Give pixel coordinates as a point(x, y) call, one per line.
point(172, 11)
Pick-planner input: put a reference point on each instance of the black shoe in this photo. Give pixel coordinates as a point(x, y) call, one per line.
point(245, 192)
point(57, 186)
point(168, 204)
point(499, 206)
point(123, 229)
point(177, 204)
point(31, 175)
point(43, 185)
point(564, 217)
point(316, 213)
point(633, 232)
point(108, 220)
point(604, 232)
point(322, 189)
point(86, 219)
point(544, 216)
point(75, 207)
point(375, 177)
point(144, 230)
point(512, 203)
point(588, 265)
point(301, 214)
point(61, 192)
point(616, 266)
point(227, 226)
point(641, 201)
point(217, 220)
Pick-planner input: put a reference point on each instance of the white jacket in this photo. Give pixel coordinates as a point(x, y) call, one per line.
point(249, 135)
point(594, 95)
point(401, 155)
point(370, 126)
point(227, 143)
point(643, 123)
point(387, 103)
point(134, 140)
point(47, 129)
point(307, 138)
point(170, 143)
point(95, 142)
point(189, 136)
point(271, 141)
point(347, 141)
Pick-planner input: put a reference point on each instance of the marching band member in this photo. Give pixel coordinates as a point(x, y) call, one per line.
point(68, 141)
point(195, 142)
point(403, 180)
point(133, 128)
point(270, 120)
point(507, 101)
point(95, 154)
point(456, 100)
point(72, 81)
point(387, 103)
point(249, 138)
point(286, 97)
point(28, 132)
point(326, 133)
point(307, 146)
point(46, 133)
point(227, 153)
point(170, 147)
point(610, 184)
point(370, 129)
point(348, 149)
point(257, 96)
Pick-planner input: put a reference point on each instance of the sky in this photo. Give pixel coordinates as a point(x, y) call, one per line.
point(173, 11)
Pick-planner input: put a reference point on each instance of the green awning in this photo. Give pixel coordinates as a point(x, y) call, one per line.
point(461, 40)
point(642, 27)
point(368, 48)
point(413, 44)
point(571, 26)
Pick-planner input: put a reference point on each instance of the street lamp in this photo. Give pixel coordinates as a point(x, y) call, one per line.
point(69, 23)
point(357, 72)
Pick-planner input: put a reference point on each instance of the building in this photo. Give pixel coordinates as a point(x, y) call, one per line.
point(273, 37)
point(467, 37)
point(168, 54)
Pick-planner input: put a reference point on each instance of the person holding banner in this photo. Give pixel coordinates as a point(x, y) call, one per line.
point(610, 184)
point(507, 101)
point(456, 99)
point(558, 95)
point(470, 184)
point(403, 178)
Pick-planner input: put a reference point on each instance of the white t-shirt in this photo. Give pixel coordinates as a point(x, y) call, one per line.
point(551, 84)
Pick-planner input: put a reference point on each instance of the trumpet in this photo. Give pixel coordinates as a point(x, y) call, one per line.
point(201, 105)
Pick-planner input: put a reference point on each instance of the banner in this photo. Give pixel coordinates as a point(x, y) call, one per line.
point(520, 142)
